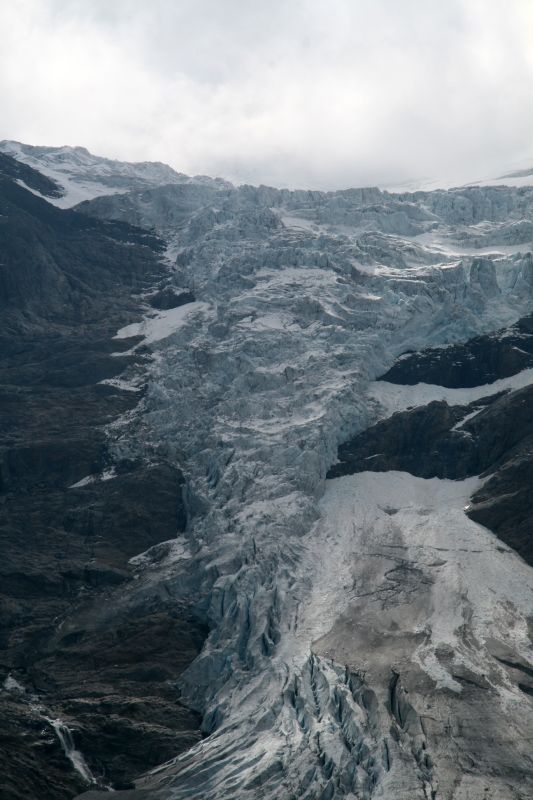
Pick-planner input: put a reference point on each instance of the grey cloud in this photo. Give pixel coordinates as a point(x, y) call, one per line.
point(305, 93)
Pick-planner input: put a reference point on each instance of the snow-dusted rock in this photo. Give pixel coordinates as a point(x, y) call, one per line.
point(83, 176)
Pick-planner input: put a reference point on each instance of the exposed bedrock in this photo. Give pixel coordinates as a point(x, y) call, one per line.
point(168, 298)
point(445, 441)
point(481, 360)
point(87, 661)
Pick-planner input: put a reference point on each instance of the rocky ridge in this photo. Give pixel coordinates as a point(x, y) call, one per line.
point(79, 175)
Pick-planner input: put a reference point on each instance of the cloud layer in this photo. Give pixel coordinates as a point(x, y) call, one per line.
point(304, 93)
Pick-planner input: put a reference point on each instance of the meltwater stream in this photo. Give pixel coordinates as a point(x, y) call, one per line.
point(66, 739)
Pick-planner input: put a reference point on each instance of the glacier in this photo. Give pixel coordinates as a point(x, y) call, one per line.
point(359, 625)
point(320, 678)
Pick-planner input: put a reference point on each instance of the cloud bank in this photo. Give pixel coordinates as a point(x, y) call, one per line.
point(304, 93)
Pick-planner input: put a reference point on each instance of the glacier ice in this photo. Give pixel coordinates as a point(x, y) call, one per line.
point(307, 298)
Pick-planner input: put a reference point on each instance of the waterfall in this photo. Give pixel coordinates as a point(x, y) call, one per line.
point(64, 734)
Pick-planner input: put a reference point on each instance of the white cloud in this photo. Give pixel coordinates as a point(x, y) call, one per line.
point(305, 93)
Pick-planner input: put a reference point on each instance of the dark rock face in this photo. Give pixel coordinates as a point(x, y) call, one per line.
point(114, 676)
point(505, 503)
point(482, 360)
point(167, 298)
point(430, 441)
point(425, 442)
point(419, 441)
point(62, 269)
point(74, 634)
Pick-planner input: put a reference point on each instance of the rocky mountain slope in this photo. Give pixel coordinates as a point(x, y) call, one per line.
point(343, 381)
point(83, 665)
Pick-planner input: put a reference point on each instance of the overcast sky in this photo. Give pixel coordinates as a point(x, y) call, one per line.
point(308, 93)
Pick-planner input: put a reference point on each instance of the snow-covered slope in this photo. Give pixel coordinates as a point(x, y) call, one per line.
point(517, 178)
point(360, 626)
point(83, 176)
point(513, 179)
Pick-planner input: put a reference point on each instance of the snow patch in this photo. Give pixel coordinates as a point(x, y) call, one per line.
point(162, 325)
point(120, 383)
point(458, 570)
point(169, 552)
point(106, 475)
point(12, 685)
point(392, 397)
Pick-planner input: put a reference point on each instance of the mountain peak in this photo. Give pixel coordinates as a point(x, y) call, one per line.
point(84, 176)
